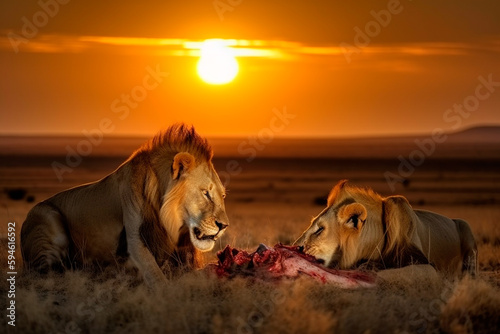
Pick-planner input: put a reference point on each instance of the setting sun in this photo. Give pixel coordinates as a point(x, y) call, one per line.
point(217, 64)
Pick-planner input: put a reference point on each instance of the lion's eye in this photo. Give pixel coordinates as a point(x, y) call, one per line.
point(319, 231)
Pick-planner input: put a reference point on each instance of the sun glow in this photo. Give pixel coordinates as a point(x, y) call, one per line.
point(217, 64)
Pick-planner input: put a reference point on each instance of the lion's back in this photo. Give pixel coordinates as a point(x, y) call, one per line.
point(91, 215)
point(440, 240)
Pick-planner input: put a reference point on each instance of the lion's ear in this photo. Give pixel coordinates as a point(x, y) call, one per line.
point(183, 162)
point(402, 247)
point(353, 215)
point(336, 192)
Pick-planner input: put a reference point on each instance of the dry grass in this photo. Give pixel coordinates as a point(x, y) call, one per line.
point(263, 210)
point(196, 303)
point(117, 302)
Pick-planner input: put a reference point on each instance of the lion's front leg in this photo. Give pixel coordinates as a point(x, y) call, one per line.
point(140, 255)
point(144, 260)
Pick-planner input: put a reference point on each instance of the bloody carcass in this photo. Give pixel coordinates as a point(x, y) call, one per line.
point(286, 261)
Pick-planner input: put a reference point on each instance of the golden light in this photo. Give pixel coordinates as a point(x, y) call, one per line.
point(217, 64)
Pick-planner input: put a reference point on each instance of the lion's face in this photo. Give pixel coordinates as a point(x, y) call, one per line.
point(204, 212)
point(345, 232)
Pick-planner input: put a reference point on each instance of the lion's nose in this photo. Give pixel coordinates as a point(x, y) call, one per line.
point(220, 225)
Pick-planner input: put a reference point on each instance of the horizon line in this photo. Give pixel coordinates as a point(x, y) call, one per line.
point(242, 136)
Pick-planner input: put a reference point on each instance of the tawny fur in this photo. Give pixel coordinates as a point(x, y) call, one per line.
point(153, 210)
point(360, 227)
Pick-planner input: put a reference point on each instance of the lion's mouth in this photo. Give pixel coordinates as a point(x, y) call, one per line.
point(200, 236)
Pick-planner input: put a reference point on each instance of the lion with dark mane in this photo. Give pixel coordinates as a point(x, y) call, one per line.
point(164, 205)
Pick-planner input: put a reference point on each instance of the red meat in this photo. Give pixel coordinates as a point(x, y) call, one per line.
point(286, 261)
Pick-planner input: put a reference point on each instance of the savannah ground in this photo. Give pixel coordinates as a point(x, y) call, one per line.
point(271, 200)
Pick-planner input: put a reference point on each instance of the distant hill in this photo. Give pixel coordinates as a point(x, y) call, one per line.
point(489, 134)
point(481, 141)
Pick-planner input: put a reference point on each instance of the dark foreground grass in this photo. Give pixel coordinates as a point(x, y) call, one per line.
point(405, 301)
point(197, 302)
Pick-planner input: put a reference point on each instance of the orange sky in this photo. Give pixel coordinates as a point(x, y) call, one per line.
point(400, 75)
